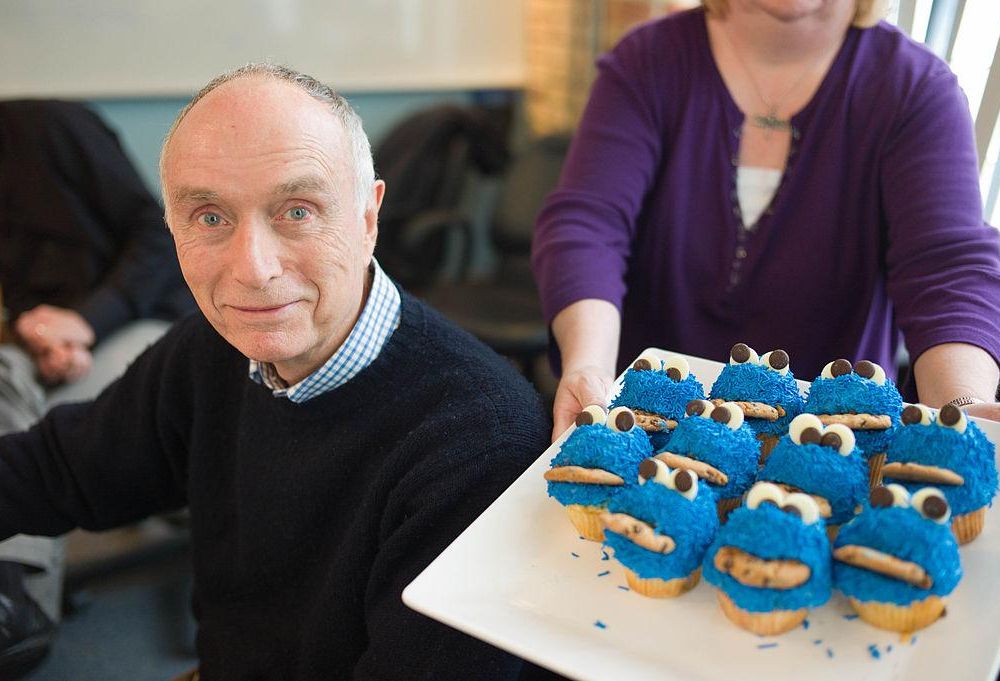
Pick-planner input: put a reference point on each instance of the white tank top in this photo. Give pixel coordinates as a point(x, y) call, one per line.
point(755, 188)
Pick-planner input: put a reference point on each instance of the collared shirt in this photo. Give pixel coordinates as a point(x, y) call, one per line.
point(378, 320)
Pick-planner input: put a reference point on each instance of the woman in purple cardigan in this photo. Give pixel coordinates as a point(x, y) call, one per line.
point(790, 174)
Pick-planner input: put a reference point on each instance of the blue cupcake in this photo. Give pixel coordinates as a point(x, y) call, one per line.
point(715, 443)
point(660, 529)
point(823, 462)
point(897, 560)
point(657, 391)
point(948, 451)
point(598, 459)
point(771, 561)
point(862, 398)
point(766, 390)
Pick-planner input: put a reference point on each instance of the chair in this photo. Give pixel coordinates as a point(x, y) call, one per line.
point(503, 309)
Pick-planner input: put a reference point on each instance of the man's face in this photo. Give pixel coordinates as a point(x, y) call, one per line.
point(259, 192)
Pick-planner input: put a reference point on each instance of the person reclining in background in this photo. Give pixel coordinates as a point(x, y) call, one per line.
point(330, 433)
point(84, 254)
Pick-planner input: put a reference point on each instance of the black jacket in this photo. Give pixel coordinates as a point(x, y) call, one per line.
point(78, 228)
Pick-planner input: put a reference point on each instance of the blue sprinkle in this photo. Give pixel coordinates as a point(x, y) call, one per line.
point(767, 645)
point(805, 624)
point(850, 617)
point(600, 625)
point(602, 574)
point(913, 640)
point(817, 641)
point(624, 588)
point(829, 652)
point(604, 555)
point(888, 648)
point(575, 555)
point(873, 651)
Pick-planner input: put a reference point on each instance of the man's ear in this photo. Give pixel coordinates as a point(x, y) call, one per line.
point(371, 214)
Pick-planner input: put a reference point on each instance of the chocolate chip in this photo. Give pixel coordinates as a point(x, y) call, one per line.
point(810, 436)
point(740, 353)
point(831, 440)
point(584, 418)
point(721, 414)
point(772, 502)
point(840, 368)
point(642, 365)
point(695, 408)
point(950, 414)
point(790, 508)
point(881, 497)
point(683, 481)
point(778, 359)
point(674, 373)
point(935, 507)
point(865, 369)
point(624, 421)
point(647, 469)
point(912, 415)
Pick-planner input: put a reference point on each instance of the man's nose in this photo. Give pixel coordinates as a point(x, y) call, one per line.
point(254, 254)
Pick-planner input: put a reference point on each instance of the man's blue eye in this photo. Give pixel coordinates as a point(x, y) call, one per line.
point(297, 213)
point(211, 219)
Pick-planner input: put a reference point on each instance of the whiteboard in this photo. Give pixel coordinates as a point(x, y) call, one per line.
point(126, 48)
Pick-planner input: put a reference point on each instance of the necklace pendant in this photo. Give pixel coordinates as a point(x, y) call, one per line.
point(771, 122)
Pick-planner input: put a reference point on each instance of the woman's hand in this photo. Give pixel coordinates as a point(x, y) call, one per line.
point(578, 389)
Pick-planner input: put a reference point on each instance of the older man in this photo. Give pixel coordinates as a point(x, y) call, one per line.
point(330, 434)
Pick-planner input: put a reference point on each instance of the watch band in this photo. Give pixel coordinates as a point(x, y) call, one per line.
point(963, 401)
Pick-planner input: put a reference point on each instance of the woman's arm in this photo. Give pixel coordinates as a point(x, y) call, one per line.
point(953, 370)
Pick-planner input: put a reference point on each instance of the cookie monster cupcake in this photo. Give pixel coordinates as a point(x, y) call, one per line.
point(715, 443)
point(823, 462)
point(657, 391)
point(947, 450)
point(598, 459)
point(897, 561)
point(659, 530)
point(771, 561)
point(764, 388)
point(864, 400)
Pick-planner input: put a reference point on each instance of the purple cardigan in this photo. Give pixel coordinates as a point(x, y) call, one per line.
point(877, 227)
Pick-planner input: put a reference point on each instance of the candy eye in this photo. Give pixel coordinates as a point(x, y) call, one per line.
point(931, 504)
point(702, 408)
point(676, 368)
point(765, 493)
point(805, 429)
point(917, 413)
point(775, 360)
point(871, 371)
point(654, 469)
point(685, 482)
point(743, 354)
point(840, 437)
point(889, 495)
point(647, 361)
point(840, 367)
point(621, 419)
point(803, 506)
point(729, 414)
point(593, 414)
point(952, 417)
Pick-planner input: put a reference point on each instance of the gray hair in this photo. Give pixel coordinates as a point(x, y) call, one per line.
point(361, 151)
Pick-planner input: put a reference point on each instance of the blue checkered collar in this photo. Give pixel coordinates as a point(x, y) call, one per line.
point(378, 320)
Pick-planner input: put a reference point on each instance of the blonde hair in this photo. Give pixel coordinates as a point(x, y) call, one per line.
point(866, 12)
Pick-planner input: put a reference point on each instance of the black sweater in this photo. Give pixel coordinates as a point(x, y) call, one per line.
point(307, 520)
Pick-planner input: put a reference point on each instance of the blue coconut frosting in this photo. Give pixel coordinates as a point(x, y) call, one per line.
point(690, 523)
point(772, 534)
point(755, 383)
point(970, 454)
point(734, 452)
point(853, 394)
point(597, 446)
point(905, 534)
point(841, 480)
point(656, 392)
